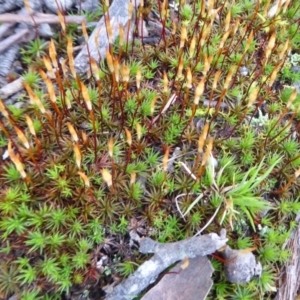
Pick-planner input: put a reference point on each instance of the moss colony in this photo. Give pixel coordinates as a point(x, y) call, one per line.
point(157, 140)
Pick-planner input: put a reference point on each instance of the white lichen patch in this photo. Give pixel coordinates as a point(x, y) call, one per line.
point(148, 268)
point(133, 289)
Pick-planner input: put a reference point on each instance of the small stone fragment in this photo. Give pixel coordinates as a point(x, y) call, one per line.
point(192, 283)
point(44, 30)
point(241, 265)
point(244, 71)
point(62, 5)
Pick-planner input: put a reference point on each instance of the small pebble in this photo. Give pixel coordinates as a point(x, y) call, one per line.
point(295, 69)
point(54, 5)
point(241, 266)
point(244, 71)
point(5, 155)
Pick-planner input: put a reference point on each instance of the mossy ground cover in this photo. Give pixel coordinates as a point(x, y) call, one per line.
point(92, 159)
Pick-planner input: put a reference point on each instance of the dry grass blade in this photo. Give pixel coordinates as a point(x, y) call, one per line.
point(168, 104)
point(70, 57)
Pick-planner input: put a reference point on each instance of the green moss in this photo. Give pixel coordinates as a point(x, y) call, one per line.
point(57, 217)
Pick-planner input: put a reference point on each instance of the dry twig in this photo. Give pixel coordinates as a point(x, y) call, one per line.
point(4, 29)
point(164, 256)
point(39, 18)
point(19, 37)
point(11, 88)
point(289, 280)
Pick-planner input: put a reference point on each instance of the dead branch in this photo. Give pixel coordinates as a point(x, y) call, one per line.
point(7, 59)
point(164, 256)
point(11, 88)
point(40, 18)
point(5, 28)
point(289, 280)
point(18, 37)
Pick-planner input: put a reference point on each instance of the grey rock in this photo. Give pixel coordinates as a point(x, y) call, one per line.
point(44, 30)
point(295, 69)
point(296, 85)
point(88, 5)
point(241, 266)
point(9, 5)
point(192, 283)
point(54, 5)
point(19, 104)
point(7, 59)
point(244, 71)
point(119, 15)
